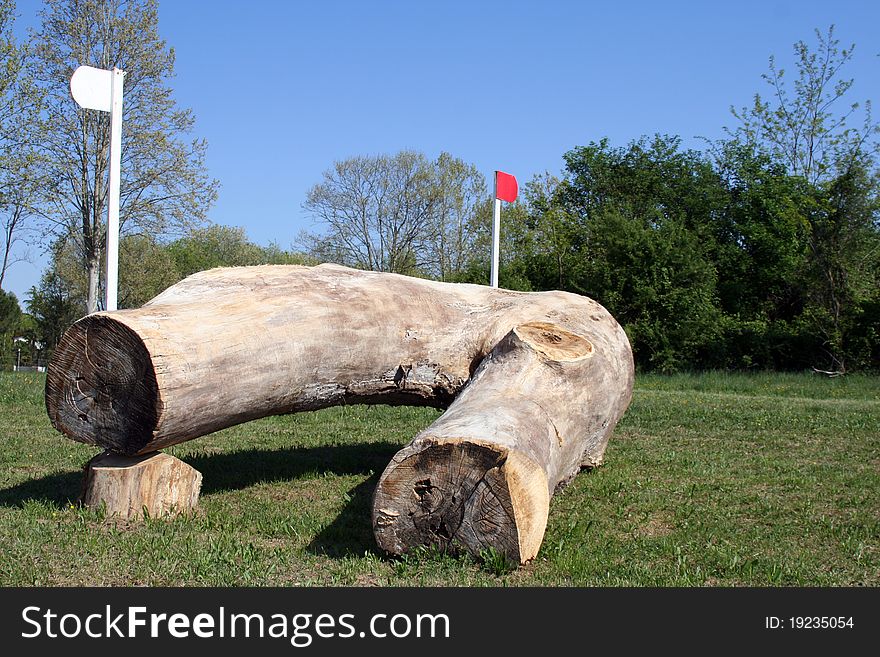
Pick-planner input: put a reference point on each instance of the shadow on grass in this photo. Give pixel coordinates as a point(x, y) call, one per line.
point(349, 534)
point(237, 470)
point(58, 489)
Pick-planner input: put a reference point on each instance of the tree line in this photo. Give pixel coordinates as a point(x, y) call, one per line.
point(762, 250)
point(717, 259)
point(725, 261)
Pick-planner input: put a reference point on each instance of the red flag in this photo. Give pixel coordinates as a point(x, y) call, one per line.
point(505, 187)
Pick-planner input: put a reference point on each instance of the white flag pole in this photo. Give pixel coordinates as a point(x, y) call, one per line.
point(496, 233)
point(101, 90)
point(113, 189)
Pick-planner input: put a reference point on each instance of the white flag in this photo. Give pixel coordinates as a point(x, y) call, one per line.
point(92, 88)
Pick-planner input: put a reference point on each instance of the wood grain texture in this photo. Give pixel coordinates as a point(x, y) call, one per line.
point(126, 487)
point(536, 382)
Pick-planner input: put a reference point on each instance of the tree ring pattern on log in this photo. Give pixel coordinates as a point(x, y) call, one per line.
point(453, 495)
point(101, 387)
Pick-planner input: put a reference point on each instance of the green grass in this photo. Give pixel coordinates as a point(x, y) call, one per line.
point(710, 479)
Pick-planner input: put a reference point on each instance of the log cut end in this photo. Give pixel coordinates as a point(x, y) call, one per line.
point(553, 342)
point(462, 495)
point(101, 388)
point(126, 487)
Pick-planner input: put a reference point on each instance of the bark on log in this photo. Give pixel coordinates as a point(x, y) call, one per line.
point(552, 373)
point(125, 487)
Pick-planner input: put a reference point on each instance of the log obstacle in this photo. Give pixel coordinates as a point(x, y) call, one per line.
point(534, 383)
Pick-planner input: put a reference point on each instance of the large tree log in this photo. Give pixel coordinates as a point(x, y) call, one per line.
point(550, 374)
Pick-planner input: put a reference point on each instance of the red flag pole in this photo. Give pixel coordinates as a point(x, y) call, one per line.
point(505, 190)
point(496, 233)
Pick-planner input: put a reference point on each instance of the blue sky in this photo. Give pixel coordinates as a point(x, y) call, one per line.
point(282, 89)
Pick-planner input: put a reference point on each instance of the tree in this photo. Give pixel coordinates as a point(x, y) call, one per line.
point(551, 240)
point(10, 313)
point(18, 191)
point(377, 211)
point(644, 243)
point(10, 320)
point(802, 127)
point(213, 246)
point(658, 283)
point(164, 184)
point(761, 231)
point(56, 303)
point(399, 213)
point(152, 266)
point(462, 200)
point(18, 174)
point(844, 265)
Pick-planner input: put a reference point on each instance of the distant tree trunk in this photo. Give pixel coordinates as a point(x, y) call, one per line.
point(7, 247)
point(543, 378)
point(94, 273)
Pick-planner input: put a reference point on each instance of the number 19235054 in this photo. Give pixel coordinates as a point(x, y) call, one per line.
point(809, 622)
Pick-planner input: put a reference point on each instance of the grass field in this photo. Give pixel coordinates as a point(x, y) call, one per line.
point(711, 479)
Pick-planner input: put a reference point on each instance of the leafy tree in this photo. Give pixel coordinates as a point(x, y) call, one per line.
point(761, 232)
point(164, 184)
point(638, 233)
point(549, 242)
point(657, 284)
point(516, 252)
point(54, 306)
point(149, 269)
point(28, 348)
point(151, 266)
point(10, 321)
point(10, 313)
point(843, 270)
point(18, 173)
point(275, 255)
point(214, 246)
point(803, 127)
point(225, 246)
point(654, 180)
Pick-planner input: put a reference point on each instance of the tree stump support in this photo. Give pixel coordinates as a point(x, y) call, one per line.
point(130, 487)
